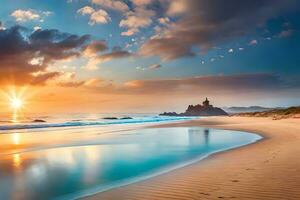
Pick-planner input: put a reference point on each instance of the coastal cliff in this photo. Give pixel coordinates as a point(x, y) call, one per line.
point(199, 110)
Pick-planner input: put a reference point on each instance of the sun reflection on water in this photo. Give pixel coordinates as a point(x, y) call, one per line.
point(17, 160)
point(14, 117)
point(16, 138)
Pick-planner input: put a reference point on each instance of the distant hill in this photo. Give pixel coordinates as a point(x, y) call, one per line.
point(291, 112)
point(236, 109)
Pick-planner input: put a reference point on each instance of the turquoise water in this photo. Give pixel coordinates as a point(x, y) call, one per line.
point(113, 160)
point(84, 120)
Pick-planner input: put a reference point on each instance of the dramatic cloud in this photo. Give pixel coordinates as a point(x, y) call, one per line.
point(25, 15)
point(55, 45)
point(212, 84)
point(96, 16)
point(151, 67)
point(253, 42)
point(99, 17)
point(203, 24)
point(142, 2)
point(91, 83)
point(29, 15)
point(42, 78)
point(155, 66)
point(112, 4)
point(94, 48)
point(87, 10)
point(166, 48)
point(139, 18)
point(177, 7)
point(25, 56)
point(37, 28)
point(114, 55)
point(95, 58)
point(164, 20)
point(2, 26)
point(215, 85)
point(286, 33)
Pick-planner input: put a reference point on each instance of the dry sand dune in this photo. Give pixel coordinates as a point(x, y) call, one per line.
point(268, 169)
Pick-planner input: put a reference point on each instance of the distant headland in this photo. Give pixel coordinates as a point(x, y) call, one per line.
point(199, 110)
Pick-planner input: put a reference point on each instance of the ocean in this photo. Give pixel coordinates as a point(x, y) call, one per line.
point(34, 121)
point(73, 156)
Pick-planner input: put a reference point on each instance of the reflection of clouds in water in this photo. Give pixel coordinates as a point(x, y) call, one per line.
point(92, 157)
point(162, 137)
point(65, 158)
point(86, 158)
point(37, 173)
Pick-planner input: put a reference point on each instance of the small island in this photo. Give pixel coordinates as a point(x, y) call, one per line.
point(38, 121)
point(199, 110)
point(116, 118)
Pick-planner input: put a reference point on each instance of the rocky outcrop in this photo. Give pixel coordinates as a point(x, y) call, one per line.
point(115, 118)
point(38, 121)
point(199, 110)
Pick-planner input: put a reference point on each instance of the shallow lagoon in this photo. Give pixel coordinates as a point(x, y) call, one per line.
point(111, 160)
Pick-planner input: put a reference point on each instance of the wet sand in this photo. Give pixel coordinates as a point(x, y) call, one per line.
point(268, 169)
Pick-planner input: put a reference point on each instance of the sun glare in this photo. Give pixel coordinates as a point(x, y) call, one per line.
point(16, 103)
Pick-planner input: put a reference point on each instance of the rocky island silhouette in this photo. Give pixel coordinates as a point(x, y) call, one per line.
point(199, 110)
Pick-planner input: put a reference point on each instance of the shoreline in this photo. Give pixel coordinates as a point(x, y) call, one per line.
point(166, 170)
point(198, 180)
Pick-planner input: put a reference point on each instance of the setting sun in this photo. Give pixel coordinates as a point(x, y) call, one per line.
point(16, 103)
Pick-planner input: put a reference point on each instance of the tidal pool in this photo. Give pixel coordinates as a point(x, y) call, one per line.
point(71, 171)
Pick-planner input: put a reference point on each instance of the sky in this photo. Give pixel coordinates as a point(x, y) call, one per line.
point(148, 55)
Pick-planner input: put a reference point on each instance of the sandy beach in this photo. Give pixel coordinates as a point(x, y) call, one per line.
point(268, 169)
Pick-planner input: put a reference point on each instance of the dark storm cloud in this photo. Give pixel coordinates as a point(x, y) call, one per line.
point(204, 23)
point(24, 56)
